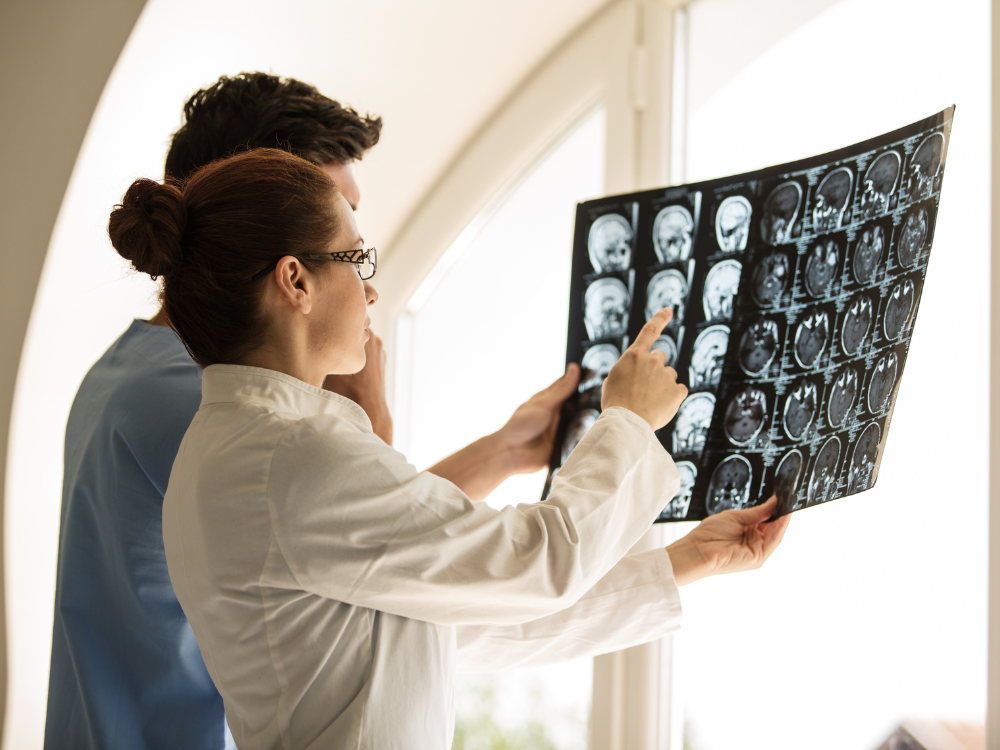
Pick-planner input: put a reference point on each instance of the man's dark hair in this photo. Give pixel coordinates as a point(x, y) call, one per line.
point(257, 110)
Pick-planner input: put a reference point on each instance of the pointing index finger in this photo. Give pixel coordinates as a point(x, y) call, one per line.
point(653, 328)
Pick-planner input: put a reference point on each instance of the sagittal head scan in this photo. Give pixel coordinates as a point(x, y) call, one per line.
point(721, 284)
point(832, 197)
point(668, 346)
point(824, 474)
point(605, 308)
point(729, 488)
point(925, 166)
point(667, 289)
point(610, 243)
point(883, 379)
point(868, 253)
point(758, 345)
point(857, 323)
point(913, 236)
point(811, 336)
point(786, 481)
point(800, 408)
point(706, 358)
point(821, 267)
point(769, 279)
point(693, 420)
point(673, 234)
point(842, 396)
point(745, 416)
point(879, 185)
point(596, 364)
point(859, 475)
point(781, 212)
point(678, 506)
point(732, 224)
point(582, 421)
point(898, 309)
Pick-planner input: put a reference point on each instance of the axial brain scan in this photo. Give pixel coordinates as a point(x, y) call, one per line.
point(721, 284)
point(678, 506)
point(781, 211)
point(883, 379)
point(693, 420)
point(879, 184)
point(842, 396)
point(913, 236)
point(706, 358)
point(786, 481)
point(800, 408)
point(605, 308)
point(859, 475)
point(824, 474)
point(732, 224)
point(832, 197)
point(857, 323)
point(582, 421)
point(673, 234)
point(758, 346)
point(610, 243)
point(667, 289)
point(925, 166)
point(821, 267)
point(730, 485)
point(669, 347)
point(868, 254)
point(597, 363)
point(898, 308)
point(811, 337)
point(769, 278)
point(745, 415)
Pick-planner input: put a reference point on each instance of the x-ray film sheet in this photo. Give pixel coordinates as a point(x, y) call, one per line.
point(794, 290)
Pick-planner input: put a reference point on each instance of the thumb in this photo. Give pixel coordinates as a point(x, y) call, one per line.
point(563, 388)
point(758, 513)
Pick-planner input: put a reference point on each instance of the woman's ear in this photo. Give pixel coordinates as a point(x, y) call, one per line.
point(295, 284)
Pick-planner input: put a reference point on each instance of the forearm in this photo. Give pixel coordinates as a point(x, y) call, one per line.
point(479, 468)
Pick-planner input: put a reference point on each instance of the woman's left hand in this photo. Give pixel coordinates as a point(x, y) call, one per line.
point(530, 432)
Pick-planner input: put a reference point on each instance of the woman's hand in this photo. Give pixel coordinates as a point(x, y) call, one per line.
point(727, 542)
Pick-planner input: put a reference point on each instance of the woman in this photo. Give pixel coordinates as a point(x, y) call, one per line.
point(333, 589)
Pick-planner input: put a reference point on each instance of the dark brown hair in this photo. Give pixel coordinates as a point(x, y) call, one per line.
point(209, 236)
point(257, 110)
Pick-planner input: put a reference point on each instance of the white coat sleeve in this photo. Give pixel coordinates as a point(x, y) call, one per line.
point(367, 529)
point(636, 602)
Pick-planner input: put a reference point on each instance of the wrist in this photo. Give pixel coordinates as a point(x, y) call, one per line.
point(687, 562)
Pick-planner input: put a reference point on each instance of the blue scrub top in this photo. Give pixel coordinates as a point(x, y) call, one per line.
point(126, 671)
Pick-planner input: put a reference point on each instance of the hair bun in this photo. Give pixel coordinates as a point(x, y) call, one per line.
point(147, 226)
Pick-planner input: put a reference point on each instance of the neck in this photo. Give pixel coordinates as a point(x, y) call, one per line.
point(160, 319)
point(287, 355)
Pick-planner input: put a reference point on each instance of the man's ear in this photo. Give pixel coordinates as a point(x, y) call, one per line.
point(295, 284)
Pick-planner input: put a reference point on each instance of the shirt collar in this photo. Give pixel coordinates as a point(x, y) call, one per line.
point(276, 392)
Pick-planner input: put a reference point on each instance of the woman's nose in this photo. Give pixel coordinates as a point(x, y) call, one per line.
point(371, 294)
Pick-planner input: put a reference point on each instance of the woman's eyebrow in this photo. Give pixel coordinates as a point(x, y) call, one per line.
point(360, 240)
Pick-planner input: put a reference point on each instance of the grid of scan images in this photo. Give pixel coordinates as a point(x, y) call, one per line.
point(811, 270)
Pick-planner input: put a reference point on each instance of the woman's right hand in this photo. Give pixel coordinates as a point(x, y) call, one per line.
point(641, 382)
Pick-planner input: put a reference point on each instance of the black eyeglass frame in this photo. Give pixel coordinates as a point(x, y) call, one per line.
point(342, 256)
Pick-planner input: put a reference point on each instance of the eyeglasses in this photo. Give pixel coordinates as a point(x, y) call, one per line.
point(364, 260)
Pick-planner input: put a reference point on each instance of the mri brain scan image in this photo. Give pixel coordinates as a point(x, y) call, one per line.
point(882, 382)
point(732, 224)
point(693, 420)
point(582, 422)
point(800, 408)
point(842, 396)
point(781, 212)
point(811, 337)
point(859, 475)
point(925, 166)
point(673, 234)
point(769, 279)
point(832, 199)
point(879, 185)
point(605, 308)
point(868, 254)
point(898, 309)
point(729, 488)
point(609, 243)
point(597, 362)
point(745, 416)
point(721, 284)
point(667, 289)
point(678, 506)
point(758, 345)
point(669, 347)
point(786, 481)
point(857, 323)
point(824, 474)
point(821, 267)
point(707, 355)
point(913, 237)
